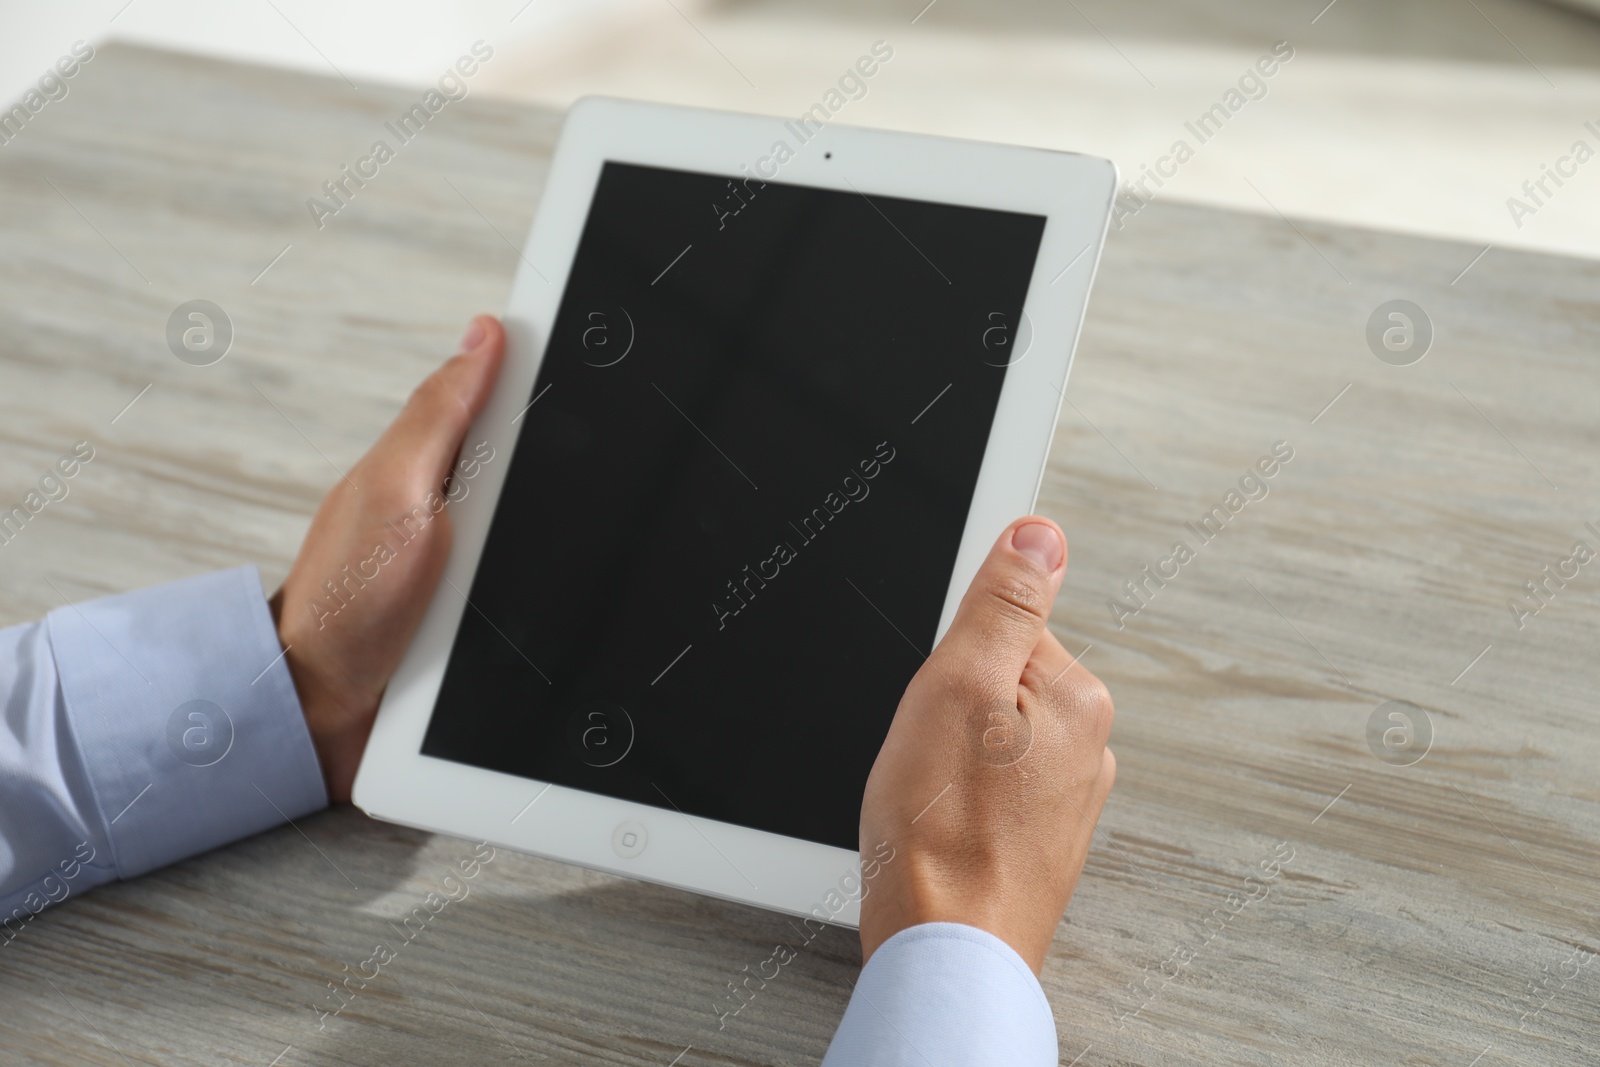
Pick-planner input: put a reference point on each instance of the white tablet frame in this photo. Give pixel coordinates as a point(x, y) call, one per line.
point(1073, 192)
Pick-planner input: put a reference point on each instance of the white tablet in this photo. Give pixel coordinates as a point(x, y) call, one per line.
point(772, 390)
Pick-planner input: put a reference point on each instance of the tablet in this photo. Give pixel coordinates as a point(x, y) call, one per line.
point(772, 389)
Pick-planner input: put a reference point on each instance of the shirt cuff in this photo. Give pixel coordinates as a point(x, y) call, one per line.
point(186, 717)
point(942, 995)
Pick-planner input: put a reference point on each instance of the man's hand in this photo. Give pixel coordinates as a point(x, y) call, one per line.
point(995, 768)
point(349, 607)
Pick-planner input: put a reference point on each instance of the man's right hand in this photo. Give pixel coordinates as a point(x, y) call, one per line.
point(995, 768)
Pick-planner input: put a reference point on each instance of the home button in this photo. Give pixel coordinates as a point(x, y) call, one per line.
point(629, 839)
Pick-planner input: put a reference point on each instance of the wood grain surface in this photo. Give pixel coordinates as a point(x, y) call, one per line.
point(1441, 913)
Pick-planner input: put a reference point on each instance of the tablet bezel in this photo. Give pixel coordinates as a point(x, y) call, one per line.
point(1073, 192)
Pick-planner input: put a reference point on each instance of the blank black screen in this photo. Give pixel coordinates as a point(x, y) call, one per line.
point(719, 558)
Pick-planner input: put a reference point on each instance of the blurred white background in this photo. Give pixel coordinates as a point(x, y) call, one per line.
point(1422, 116)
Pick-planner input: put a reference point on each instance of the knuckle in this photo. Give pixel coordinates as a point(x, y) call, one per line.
point(437, 392)
point(1017, 601)
point(1091, 701)
point(1092, 693)
point(429, 393)
point(1079, 697)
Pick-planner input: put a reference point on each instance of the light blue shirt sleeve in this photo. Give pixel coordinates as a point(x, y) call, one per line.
point(140, 729)
point(945, 995)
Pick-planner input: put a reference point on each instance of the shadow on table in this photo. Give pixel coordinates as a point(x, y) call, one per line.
point(610, 970)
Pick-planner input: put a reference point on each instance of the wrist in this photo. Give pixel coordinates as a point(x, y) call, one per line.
point(338, 751)
point(338, 744)
point(920, 894)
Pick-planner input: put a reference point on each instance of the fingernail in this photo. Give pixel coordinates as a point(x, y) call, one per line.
point(1039, 543)
point(473, 337)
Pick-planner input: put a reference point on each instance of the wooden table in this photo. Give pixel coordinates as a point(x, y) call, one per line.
point(1428, 913)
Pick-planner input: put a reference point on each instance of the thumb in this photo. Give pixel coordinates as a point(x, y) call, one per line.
point(1008, 604)
point(429, 429)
